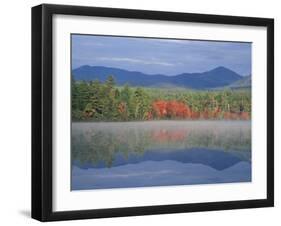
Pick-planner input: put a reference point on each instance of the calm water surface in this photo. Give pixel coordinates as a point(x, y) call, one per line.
point(159, 153)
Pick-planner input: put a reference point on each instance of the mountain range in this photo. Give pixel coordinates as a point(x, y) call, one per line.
point(216, 78)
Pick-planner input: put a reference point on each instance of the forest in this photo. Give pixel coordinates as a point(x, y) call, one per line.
point(97, 101)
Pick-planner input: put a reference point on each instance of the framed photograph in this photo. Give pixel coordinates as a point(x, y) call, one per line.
point(145, 112)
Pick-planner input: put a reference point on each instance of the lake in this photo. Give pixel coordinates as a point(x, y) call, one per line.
point(159, 153)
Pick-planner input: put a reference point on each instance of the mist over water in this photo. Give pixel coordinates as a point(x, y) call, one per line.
point(160, 153)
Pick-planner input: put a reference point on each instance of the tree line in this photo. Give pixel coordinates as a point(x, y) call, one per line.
point(104, 101)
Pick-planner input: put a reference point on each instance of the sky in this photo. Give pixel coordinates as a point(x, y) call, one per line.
point(160, 56)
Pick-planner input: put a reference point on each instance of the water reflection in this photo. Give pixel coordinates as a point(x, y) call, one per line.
point(111, 155)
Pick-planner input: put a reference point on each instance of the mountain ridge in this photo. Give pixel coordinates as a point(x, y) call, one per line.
point(217, 77)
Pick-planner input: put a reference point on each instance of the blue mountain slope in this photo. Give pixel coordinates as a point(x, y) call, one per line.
point(245, 82)
point(217, 77)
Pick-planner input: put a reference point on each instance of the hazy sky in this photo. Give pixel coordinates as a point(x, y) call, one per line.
point(163, 56)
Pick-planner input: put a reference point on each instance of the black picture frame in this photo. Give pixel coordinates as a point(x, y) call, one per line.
point(42, 106)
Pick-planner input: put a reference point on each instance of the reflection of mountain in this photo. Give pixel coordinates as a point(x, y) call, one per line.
point(159, 153)
point(109, 142)
point(157, 173)
point(218, 77)
point(218, 160)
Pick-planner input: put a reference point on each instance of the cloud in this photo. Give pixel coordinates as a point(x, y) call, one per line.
point(136, 61)
point(155, 55)
point(177, 41)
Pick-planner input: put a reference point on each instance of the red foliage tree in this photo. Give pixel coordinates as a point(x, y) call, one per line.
point(159, 108)
point(171, 109)
point(122, 109)
point(179, 110)
point(244, 116)
point(195, 115)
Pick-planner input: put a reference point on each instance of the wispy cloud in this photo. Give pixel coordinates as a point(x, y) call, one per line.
point(175, 41)
point(136, 61)
point(155, 55)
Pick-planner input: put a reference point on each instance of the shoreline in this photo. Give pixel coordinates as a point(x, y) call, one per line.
point(164, 121)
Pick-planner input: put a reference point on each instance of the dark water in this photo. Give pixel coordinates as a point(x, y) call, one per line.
point(160, 153)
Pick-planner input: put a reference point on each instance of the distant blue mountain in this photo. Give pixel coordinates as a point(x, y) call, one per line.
point(245, 82)
point(218, 77)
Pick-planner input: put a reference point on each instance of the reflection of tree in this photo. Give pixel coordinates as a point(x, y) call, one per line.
point(164, 135)
point(96, 144)
point(101, 146)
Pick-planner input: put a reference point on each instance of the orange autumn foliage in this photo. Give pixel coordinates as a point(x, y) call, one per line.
point(236, 116)
point(195, 115)
point(159, 108)
point(171, 109)
point(121, 107)
point(179, 110)
point(244, 116)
